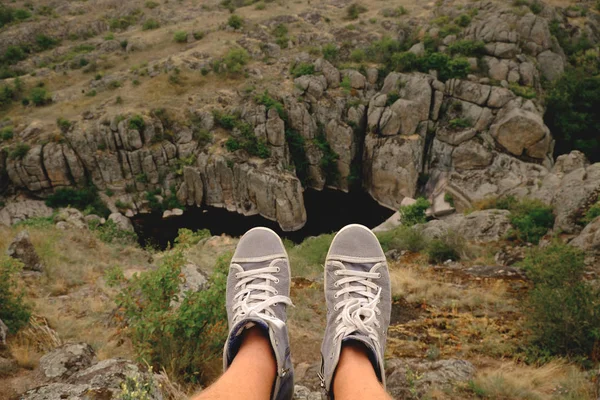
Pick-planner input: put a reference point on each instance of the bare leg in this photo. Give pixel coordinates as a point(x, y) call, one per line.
point(251, 374)
point(355, 377)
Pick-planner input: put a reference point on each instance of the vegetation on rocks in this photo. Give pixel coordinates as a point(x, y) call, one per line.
point(415, 213)
point(15, 312)
point(85, 199)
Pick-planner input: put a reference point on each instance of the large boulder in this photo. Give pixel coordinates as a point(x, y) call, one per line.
point(66, 360)
point(21, 210)
point(551, 65)
point(23, 250)
point(121, 221)
point(478, 226)
point(522, 132)
point(70, 218)
point(441, 375)
point(589, 239)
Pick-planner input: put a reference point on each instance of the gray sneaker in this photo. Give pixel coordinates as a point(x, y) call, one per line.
point(358, 295)
point(258, 290)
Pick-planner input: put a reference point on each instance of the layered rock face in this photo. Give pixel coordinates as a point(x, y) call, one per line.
point(400, 136)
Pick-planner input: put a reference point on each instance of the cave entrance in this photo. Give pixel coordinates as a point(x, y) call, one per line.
point(327, 211)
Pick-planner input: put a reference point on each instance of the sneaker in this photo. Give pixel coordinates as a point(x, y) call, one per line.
point(258, 290)
point(358, 295)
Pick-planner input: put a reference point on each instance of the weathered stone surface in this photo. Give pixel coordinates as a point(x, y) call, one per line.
point(471, 155)
point(72, 217)
point(551, 65)
point(21, 210)
point(481, 226)
point(331, 73)
point(22, 249)
point(468, 91)
point(3, 334)
point(441, 374)
point(107, 374)
point(304, 393)
point(392, 167)
point(522, 133)
point(275, 129)
point(589, 239)
point(66, 360)
point(121, 221)
point(194, 280)
point(570, 162)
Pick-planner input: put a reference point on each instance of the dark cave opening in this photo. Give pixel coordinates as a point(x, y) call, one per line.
point(327, 211)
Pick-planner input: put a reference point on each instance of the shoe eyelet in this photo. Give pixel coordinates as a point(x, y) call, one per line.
point(335, 296)
point(336, 284)
point(237, 276)
point(276, 280)
point(276, 292)
point(335, 308)
point(378, 275)
point(278, 269)
point(336, 273)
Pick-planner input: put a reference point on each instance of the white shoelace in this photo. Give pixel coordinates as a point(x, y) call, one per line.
point(358, 313)
point(256, 294)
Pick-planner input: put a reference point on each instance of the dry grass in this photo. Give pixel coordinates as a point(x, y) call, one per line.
point(417, 284)
point(555, 380)
point(25, 353)
point(169, 389)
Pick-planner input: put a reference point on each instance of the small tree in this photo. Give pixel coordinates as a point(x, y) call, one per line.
point(414, 213)
point(14, 312)
point(563, 310)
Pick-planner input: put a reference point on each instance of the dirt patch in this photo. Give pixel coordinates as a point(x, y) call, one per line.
point(403, 312)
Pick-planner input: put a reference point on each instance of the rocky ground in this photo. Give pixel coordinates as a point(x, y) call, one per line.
point(160, 105)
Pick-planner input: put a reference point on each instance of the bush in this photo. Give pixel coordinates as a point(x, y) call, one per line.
point(467, 48)
point(18, 151)
point(330, 52)
point(137, 122)
point(247, 140)
point(266, 100)
point(45, 42)
point(591, 214)
point(358, 55)
point(448, 247)
point(150, 24)
point(180, 36)
point(151, 4)
point(21, 14)
point(63, 124)
point(414, 213)
point(572, 114)
point(562, 310)
point(39, 96)
point(187, 238)
point(84, 199)
point(14, 312)
point(235, 21)
point(531, 219)
point(6, 15)
point(536, 7)
point(329, 159)
point(183, 340)
point(6, 133)
point(354, 10)
point(296, 145)
point(109, 232)
point(235, 59)
point(14, 54)
point(523, 91)
point(460, 123)
point(404, 62)
point(463, 20)
point(302, 69)
point(402, 238)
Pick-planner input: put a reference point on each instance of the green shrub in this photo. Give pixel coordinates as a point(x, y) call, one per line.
point(296, 144)
point(404, 62)
point(150, 24)
point(392, 97)
point(39, 96)
point(414, 213)
point(235, 59)
point(45, 42)
point(309, 256)
point(151, 4)
point(302, 69)
point(463, 20)
point(85, 199)
point(6, 133)
point(531, 219)
point(6, 15)
point(402, 238)
point(266, 100)
point(562, 309)
point(448, 247)
point(180, 36)
point(63, 124)
point(18, 151)
point(137, 122)
point(21, 14)
point(536, 7)
point(330, 52)
point(280, 30)
point(15, 313)
point(109, 232)
point(467, 48)
point(14, 54)
point(187, 238)
point(460, 123)
point(572, 115)
point(346, 84)
point(183, 340)
point(358, 55)
point(329, 159)
point(395, 12)
point(591, 214)
point(235, 21)
point(523, 91)
point(247, 139)
point(354, 10)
